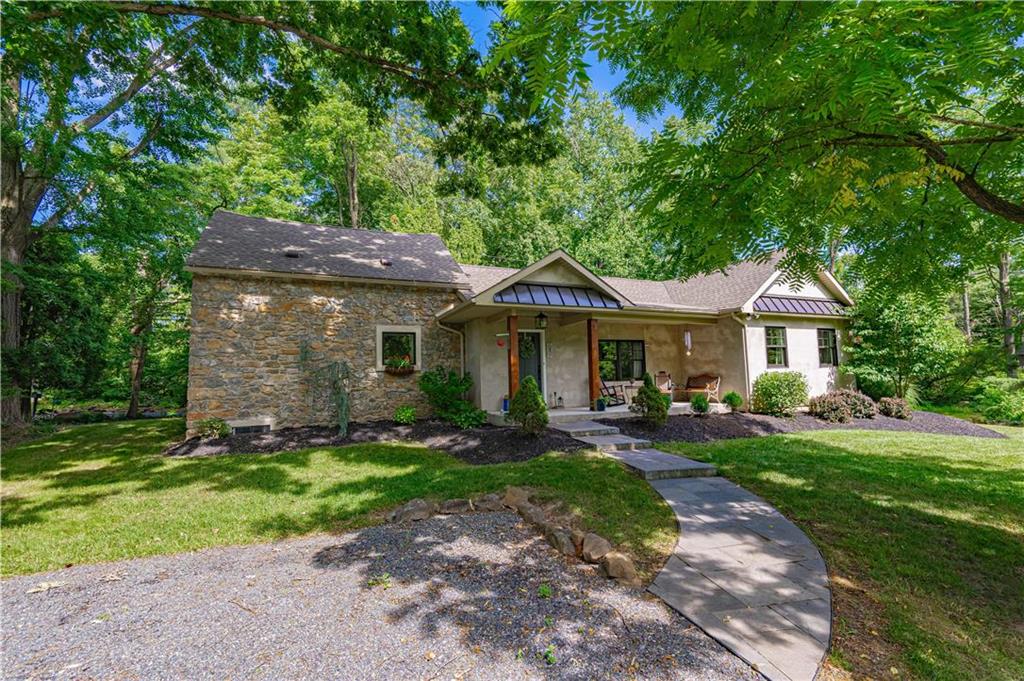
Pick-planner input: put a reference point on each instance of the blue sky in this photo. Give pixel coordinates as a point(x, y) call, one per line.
point(601, 76)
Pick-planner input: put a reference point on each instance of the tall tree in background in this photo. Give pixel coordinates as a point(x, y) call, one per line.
point(820, 114)
point(87, 88)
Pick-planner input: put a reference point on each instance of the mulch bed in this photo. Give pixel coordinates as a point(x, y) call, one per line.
point(484, 445)
point(728, 426)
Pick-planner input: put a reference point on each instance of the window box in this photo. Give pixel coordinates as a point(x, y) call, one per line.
point(398, 349)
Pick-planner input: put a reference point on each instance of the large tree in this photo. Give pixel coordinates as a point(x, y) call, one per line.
point(809, 126)
point(88, 88)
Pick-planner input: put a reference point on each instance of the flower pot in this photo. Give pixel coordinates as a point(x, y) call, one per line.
point(599, 405)
point(399, 371)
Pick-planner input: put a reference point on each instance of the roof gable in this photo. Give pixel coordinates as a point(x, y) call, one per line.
point(554, 268)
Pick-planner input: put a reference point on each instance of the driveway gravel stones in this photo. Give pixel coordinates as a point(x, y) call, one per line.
point(454, 597)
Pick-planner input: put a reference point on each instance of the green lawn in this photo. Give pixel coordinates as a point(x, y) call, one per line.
point(103, 492)
point(923, 535)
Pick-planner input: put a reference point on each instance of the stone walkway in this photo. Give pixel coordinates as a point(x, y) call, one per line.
point(740, 571)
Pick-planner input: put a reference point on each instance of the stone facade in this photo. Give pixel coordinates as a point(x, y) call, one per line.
point(259, 347)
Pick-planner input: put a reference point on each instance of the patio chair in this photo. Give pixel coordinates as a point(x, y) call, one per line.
point(614, 395)
point(664, 382)
point(707, 384)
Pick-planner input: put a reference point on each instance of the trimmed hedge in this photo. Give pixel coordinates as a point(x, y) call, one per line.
point(527, 407)
point(831, 407)
point(894, 407)
point(779, 393)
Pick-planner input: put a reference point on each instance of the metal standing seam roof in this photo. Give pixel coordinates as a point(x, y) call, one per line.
point(790, 305)
point(550, 294)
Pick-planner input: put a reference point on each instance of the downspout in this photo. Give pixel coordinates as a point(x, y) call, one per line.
point(746, 362)
point(462, 345)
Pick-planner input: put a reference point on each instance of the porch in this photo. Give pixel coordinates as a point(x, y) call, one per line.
point(573, 414)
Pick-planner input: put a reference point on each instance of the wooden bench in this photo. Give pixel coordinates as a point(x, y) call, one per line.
point(704, 383)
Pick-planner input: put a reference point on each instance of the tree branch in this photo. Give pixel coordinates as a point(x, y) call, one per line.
point(978, 124)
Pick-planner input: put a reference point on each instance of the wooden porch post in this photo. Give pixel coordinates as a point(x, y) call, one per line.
point(593, 372)
point(513, 355)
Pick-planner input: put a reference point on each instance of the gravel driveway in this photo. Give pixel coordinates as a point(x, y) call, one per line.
point(446, 598)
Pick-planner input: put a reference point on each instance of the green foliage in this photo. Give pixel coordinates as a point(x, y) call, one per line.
point(382, 580)
point(527, 407)
point(894, 407)
point(545, 591)
point(404, 415)
point(649, 404)
point(1001, 400)
point(212, 427)
point(733, 399)
point(779, 393)
point(830, 407)
point(549, 654)
point(445, 391)
point(900, 340)
point(326, 381)
point(700, 404)
point(904, 144)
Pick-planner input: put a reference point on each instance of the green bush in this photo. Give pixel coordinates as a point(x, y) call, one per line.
point(733, 399)
point(1001, 400)
point(445, 390)
point(861, 406)
point(527, 407)
point(779, 393)
point(700, 404)
point(830, 407)
point(405, 415)
point(649, 404)
point(212, 427)
point(894, 407)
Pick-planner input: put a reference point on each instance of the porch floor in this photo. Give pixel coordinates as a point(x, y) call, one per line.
point(571, 414)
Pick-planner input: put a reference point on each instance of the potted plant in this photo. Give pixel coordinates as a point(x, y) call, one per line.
point(599, 404)
point(399, 365)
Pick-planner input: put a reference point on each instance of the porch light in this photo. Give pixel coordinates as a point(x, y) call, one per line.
point(688, 342)
point(541, 321)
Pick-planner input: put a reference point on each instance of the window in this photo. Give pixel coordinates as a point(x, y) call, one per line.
point(775, 343)
point(398, 342)
point(828, 350)
point(621, 360)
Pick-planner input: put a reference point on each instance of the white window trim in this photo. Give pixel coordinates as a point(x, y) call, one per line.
point(382, 329)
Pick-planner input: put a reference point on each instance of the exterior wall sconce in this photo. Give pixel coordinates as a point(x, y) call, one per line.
point(688, 342)
point(541, 321)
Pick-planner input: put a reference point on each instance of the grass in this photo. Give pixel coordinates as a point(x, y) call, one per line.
point(923, 536)
point(103, 492)
point(960, 411)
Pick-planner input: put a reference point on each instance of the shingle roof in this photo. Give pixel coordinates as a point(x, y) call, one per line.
point(715, 292)
point(241, 242)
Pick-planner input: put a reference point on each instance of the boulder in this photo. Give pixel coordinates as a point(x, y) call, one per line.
point(489, 502)
point(417, 509)
point(577, 540)
point(594, 547)
point(455, 506)
point(533, 514)
point(619, 567)
point(560, 538)
point(516, 497)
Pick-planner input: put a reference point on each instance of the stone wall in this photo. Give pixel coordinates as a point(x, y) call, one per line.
point(258, 347)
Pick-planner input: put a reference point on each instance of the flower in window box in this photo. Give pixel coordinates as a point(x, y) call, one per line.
point(399, 365)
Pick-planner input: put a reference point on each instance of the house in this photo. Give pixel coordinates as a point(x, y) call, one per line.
point(277, 304)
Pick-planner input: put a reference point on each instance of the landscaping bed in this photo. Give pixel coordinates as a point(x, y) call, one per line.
point(484, 445)
point(736, 425)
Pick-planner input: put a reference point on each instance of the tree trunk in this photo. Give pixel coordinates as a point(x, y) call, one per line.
point(968, 332)
point(139, 352)
point(1006, 318)
point(352, 177)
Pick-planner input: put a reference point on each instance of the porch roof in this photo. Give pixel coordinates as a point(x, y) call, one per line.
point(555, 295)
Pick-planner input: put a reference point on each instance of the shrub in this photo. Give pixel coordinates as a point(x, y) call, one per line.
point(779, 393)
point(699, 403)
point(527, 407)
point(894, 407)
point(405, 415)
point(831, 407)
point(444, 390)
point(1001, 400)
point(649, 404)
point(861, 406)
point(212, 427)
point(733, 399)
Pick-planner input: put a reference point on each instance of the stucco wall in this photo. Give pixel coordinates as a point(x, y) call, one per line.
point(716, 349)
point(247, 333)
point(807, 289)
point(802, 345)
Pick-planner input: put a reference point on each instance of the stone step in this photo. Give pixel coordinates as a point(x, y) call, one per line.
point(653, 464)
point(612, 443)
point(585, 428)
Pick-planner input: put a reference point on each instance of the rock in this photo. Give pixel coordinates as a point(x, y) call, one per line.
point(455, 506)
point(594, 547)
point(533, 514)
point(516, 497)
point(577, 540)
point(489, 502)
point(619, 567)
point(560, 538)
point(417, 509)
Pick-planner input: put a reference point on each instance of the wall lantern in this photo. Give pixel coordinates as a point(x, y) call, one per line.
point(688, 342)
point(541, 321)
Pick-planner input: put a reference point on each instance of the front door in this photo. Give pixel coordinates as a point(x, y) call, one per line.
point(531, 358)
